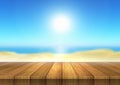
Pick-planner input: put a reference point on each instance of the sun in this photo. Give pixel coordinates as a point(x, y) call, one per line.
point(61, 24)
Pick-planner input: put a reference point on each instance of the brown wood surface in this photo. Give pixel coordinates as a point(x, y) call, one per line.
point(44, 73)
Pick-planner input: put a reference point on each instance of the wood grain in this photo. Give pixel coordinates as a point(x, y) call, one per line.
point(55, 75)
point(62, 73)
point(69, 76)
point(84, 76)
point(39, 77)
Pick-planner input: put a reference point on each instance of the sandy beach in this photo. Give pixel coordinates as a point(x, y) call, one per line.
point(99, 55)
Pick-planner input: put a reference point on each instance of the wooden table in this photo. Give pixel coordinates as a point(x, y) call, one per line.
point(46, 73)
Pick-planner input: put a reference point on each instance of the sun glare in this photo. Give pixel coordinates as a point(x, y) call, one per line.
point(61, 24)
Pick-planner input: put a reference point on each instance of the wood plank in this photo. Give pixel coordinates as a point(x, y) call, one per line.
point(5, 72)
point(6, 81)
point(81, 72)
point(6, 66)
point(68, 75)
point(107, 69)
point(85, 77)
point(60, 73)
point(3, 64)
point(23, 78)
point(39, 77)
point(111, 71)
point(116, 67)
point(55, 71)
point(100, 78)
point(55, 75)
point(25, 74)
point(23, 67)
point(13, 70)
point(5, 77)
point(94, 71)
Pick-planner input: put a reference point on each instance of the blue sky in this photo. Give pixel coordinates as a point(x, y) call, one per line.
point(26, 22)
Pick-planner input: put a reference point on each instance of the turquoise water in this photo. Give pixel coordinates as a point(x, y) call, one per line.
point(53, 50)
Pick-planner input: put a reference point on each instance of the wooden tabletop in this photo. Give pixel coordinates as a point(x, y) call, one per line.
point(44, 73)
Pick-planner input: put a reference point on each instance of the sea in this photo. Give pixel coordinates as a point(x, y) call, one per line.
point(30, 50)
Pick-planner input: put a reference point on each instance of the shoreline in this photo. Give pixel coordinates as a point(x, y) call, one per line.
point(100, 55)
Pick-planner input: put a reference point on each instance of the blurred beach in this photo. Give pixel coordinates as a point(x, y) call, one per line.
point(98, 55)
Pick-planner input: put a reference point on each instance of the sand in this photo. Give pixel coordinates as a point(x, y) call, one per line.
point(99, 55)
